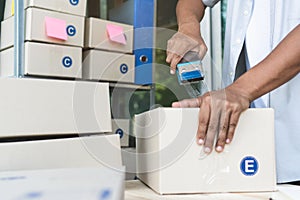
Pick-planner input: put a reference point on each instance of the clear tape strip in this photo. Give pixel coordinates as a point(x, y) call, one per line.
point(196, 89)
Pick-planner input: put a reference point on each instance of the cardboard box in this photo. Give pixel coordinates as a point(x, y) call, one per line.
point(129, 161)
point(62, 184)
point(73, 7)
point(7, 62)
point(77, 152)
point(45, 60)
point(121, 127)
point(35, 28)
point(31, 107)
point(108, 66)
point(7, 33)
point(97, 35)
point(170, 161)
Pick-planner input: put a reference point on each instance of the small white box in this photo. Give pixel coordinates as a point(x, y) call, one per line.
point(31, 107)
point(170, 161)
point(121, 127)
point(45, 60)
point(73, 7)
point(7, 33)
point(108, 66)
point(35, 28)
point(96, 36)
point(7, 62)
point(88, 151)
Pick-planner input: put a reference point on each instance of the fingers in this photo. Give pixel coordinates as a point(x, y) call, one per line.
point(180, 44)
point(234, 118)
point(227, 129)
point(169, 57)
point(174, 52)
point(217, 121)
point(218, 117)
point(173, 59)
point(223, 131)
point(176, 59)
point(203, 128)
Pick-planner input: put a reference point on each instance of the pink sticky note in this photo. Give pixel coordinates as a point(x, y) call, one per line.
point(56, 28)
point(116, 33)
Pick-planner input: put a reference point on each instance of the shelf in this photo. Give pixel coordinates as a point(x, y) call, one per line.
point(130, 86)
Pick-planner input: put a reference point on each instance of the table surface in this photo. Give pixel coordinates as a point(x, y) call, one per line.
point(136, 190)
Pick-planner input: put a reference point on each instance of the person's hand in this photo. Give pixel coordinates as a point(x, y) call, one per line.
point(219, 114)
point(188, 38)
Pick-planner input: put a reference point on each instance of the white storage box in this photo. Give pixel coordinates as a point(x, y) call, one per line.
point(107, 35)
point(7, 62)
point(129, 161)
point(121, 127)
point(7, 33)
point(46, 26)
point(32, 107)
point(73, 7)
point(170, 161)
point(108, 66)
point(88, 151)
point(45, 60)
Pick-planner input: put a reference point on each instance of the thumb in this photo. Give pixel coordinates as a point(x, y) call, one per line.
point(187, 103)
point(176, 104)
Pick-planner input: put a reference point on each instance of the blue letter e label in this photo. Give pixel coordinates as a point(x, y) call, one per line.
point(249, 166)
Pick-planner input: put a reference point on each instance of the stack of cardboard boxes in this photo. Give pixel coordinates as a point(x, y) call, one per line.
point(108, 56)
point(109, 48)
point(43, 116)
point(54, 35)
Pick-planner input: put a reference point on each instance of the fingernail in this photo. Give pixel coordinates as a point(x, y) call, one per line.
point(201, 141)
point(219, 148)
point(172, 72)
point(207, 150)
point(227, 141)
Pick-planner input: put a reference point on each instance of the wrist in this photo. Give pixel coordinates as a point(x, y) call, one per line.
point(191, 29)
point(241, 91)
point(188, 26)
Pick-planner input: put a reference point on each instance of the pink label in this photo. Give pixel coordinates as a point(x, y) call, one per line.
point(56, 28)
point(116, 33)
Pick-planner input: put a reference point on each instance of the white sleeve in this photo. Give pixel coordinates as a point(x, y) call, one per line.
point(210, 3)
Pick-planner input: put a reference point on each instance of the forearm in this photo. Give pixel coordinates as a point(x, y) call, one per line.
point(276, 69)
point(189, 12)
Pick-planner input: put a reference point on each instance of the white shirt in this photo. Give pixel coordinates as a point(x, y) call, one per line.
point(262, 24)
